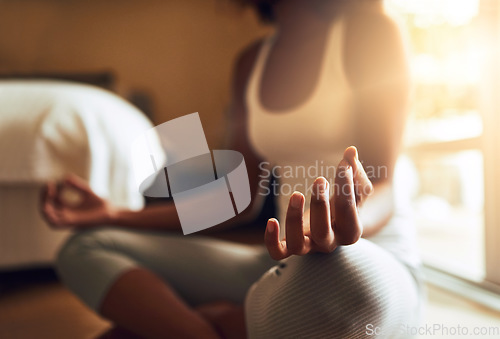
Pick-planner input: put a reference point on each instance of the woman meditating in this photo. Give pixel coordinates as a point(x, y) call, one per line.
point(339, 259)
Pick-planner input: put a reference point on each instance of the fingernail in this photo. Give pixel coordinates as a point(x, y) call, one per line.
point(270, 225)
point(296, 200)
point(321, 187)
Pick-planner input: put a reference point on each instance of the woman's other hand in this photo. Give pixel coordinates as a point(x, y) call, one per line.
point(72, 204)
point(332, 222)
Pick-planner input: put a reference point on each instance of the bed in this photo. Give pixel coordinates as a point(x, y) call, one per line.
point(50, 128)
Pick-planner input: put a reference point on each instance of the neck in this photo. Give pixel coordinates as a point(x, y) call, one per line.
point(296, 19)
point(292, 13)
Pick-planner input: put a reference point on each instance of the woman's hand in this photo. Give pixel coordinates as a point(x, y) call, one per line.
point(331, 222)
point(72, 203)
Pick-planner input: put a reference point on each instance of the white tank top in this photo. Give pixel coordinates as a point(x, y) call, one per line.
point(309, 140)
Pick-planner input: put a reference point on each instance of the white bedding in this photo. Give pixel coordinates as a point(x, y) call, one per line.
point(47, 129)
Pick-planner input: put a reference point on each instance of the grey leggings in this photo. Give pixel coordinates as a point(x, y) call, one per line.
point(347, 294)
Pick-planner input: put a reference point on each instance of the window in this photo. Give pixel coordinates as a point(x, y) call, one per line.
point(451, 136)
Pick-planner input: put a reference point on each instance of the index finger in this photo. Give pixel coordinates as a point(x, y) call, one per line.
point(77, 183)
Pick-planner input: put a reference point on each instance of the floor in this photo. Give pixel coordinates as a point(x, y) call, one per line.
point(36, 305)
point(449, 312)
point(44, 309)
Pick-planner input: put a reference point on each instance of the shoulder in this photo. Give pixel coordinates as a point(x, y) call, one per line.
point(373, 45)
point(367, 15)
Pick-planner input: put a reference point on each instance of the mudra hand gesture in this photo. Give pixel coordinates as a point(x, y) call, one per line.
point(329, 222)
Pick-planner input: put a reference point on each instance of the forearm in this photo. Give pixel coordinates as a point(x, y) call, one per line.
point(164, 217)
point(378, 209)
point(156, 217)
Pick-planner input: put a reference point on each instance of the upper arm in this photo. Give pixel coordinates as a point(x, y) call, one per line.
point(237, 117)
point(377, 69)
point(237, 113)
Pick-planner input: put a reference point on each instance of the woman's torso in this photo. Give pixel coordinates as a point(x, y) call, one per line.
point(307, 140)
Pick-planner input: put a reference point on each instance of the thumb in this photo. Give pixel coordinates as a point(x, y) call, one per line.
point(77, 183)
point(362, 185)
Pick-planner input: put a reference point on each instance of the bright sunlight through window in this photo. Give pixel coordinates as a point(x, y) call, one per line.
point(445, 125)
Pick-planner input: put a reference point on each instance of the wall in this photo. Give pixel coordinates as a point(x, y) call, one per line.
point(180, 51)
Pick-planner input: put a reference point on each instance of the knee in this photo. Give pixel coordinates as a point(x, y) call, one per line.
point(90, 261)
point(78, 246)
point(336, 295)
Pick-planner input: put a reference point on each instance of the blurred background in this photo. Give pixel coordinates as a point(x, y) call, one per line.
point(176, 54)
point(171, 58)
